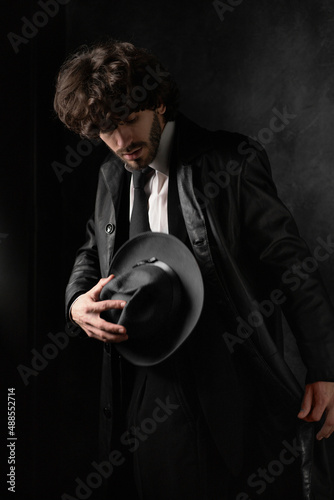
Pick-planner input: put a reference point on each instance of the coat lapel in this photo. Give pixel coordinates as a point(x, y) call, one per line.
point(112, 218)
point(176, 224)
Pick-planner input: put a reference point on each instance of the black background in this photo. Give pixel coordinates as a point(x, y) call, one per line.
point(232, 73)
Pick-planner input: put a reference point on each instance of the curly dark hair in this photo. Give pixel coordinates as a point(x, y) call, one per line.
point(99, 86)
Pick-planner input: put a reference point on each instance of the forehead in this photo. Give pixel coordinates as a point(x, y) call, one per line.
point(130, 117)
point(136, 118)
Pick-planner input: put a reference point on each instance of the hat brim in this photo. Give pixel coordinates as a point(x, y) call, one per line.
point(172, 251)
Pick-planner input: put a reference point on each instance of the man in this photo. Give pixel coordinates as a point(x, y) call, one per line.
point(232, 404)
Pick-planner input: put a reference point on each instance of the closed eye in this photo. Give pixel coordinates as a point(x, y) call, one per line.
point(131, 119)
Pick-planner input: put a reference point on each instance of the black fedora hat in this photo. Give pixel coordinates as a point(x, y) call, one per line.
point(159, 278)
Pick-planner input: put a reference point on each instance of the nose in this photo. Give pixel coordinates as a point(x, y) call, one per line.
point(122, 137)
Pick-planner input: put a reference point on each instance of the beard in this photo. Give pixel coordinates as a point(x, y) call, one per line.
point(152, 147)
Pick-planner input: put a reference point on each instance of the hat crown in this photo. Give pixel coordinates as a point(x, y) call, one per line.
point(156, 324)
point(152, 292)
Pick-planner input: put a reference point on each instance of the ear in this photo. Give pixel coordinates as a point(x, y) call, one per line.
point(161, 109)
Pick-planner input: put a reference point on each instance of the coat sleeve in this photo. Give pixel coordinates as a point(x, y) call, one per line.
point(271, 233)
point(86, 270)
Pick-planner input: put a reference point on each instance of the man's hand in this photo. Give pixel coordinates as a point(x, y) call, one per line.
point(319, 398)
point(86, 312)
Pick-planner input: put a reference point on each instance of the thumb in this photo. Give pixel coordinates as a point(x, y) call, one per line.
point(306, 403)
point(97, 289)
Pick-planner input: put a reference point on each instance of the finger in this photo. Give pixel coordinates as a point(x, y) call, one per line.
point(317, 412)
point(105, 305)
point(97, 289)
point(107, 327)
point(328, 427)
point(319, 404)
point(97, 324)
point(104, 336)
point(306, 403)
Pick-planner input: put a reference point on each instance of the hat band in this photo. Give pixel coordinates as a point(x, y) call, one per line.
point(154, 261)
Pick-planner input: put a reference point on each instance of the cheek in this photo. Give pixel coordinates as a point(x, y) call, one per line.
point(112, 145)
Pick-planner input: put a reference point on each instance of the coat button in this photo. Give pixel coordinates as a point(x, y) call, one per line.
point(107, 412)
point(110, 228)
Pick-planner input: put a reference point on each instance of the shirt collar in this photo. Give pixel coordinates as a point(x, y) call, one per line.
point(161, 161)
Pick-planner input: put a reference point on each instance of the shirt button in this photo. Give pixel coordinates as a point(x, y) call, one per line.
point(110, 228)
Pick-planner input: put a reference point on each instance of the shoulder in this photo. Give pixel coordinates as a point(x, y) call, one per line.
point(196, 141)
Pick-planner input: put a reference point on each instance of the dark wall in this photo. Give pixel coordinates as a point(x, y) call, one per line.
point(234, 72)
point(263, 58)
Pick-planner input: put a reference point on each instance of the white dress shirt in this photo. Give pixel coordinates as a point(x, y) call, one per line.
point(156, 188)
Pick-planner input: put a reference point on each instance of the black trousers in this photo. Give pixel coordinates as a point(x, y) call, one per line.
point(174, 456)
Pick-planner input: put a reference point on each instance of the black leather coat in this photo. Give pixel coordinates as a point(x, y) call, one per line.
point(245, 242)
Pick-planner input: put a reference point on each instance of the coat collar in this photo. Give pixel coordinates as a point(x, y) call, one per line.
point(114, 174)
